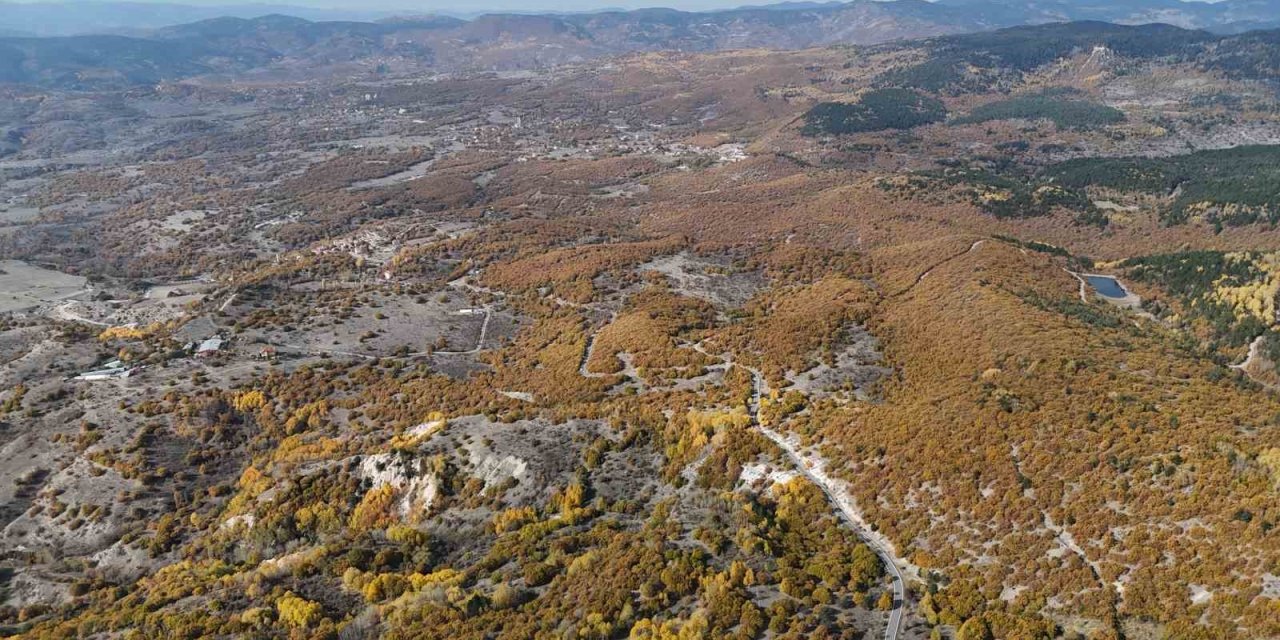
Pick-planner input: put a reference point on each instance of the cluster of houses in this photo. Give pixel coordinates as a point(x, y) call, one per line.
point(119, 369)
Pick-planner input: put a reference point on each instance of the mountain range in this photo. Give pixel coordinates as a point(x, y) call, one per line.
point(47, 19)
point(289, 44)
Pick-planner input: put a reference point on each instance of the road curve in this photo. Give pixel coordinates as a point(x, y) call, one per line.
point(1255, 353)
point(819, 478)
point(822, 482)
point(62, 312)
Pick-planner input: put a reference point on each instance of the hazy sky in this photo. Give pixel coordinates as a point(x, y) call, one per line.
point(462, 6)
point(564, 5)
point(467, 6)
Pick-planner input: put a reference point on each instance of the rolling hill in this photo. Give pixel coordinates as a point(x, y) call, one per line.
point(292, 45)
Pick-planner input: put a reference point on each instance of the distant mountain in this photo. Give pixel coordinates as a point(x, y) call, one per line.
point(130, 18)
point(494, 42)
point(862, 22)
point(296, 46)
point(88, 17)
point(1229, 15)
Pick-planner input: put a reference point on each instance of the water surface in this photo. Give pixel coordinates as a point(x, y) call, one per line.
point(1107, 286)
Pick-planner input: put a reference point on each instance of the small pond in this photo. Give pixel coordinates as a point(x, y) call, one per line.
point(1107, 286)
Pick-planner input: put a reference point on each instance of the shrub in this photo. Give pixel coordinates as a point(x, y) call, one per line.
point(298, 612)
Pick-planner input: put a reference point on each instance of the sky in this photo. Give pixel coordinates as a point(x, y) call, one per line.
point(467, 6)
point(461, 6)
point(571, 5)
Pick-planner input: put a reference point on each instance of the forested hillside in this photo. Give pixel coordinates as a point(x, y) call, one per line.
point(969, 337)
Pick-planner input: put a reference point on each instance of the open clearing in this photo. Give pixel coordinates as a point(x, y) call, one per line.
point(383, 326)
point(25, 286)
point(713, 280)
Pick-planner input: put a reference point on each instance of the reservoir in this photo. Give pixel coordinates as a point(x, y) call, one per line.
point(1107, 286)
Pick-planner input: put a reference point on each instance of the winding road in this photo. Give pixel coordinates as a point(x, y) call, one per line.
point(818, 476)
point(1246, 366)
point(814, 469)
point(844, 508)
point(1255, 351)
point(1084, 295)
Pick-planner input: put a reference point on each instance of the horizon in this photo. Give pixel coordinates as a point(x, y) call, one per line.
point(830, 319)
point(457, 7)
point(438, 6)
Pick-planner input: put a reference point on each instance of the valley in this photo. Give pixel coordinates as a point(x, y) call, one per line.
point(972, 335)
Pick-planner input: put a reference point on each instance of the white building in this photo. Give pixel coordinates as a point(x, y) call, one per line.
point(209, 347)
